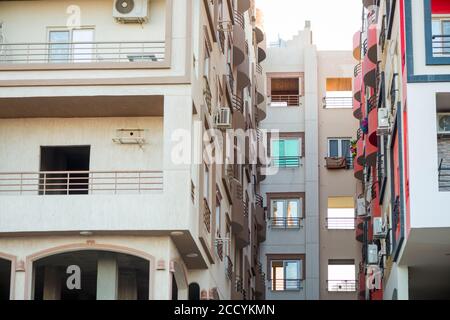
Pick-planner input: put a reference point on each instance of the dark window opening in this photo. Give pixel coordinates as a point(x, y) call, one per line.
point(5, 279)
point(174, 288)
point(194, 291)
point(285, 92)
point(64, 170)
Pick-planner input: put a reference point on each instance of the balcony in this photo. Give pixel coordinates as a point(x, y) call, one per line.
point(359, 231)
point(286, 162)
point(242, 238)
point(341, 285)
point(259, 34)
point(373, 120)
point(237, 210)
point(340, 223)
point(80, 182)
point(81, 54)
point(239, 50)
point(370, 57)
point(228, 268)
point(261, 54)
point(238, 113)
point(336, 163)
point(359, 159)
point(237, 288)
point(206, 216)
point(285, 223)
point(285, 100)
point(337, 102)
point(260, 282)
point(357, 45)
point(357, 82)
point(357, 109)
point(243, 5)
point(369, 3)
point(286, 284)
point(243, 74)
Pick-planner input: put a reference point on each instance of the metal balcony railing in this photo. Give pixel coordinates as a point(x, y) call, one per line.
point(286, 161)
point(228, 268)
point(338, 102)
point(285, 223)
point(444, 176)
point(259, 200)
point(259, 68)
point(82, 52)
point(230, 76)
point(285, 100)
point(207, 94)
point(239, 19)
point(207, 215)
point(342, 285)
point(285, 284)
point(441, 45)
point(357, 70)
point(80, 182)
point(340, 223)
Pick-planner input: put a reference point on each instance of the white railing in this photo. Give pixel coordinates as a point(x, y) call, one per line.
point(80, 182)
point(340, 223)
point(82, 52)
point(341, 285)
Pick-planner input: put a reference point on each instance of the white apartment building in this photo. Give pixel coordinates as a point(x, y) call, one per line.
point(309, 100)
point(96, 98)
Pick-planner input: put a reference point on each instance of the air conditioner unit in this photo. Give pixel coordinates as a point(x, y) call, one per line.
point(383, 121)
point(378, 228)
point(372, 254)
point(443, 123)
point(222, 119)
point(131, 11)
point(361, 207)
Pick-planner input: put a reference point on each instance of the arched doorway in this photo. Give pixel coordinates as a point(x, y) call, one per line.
point(194, 291)
point(5, 279)
point(91, 275)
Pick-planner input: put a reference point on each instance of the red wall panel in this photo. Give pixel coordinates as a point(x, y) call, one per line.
point(440, 6)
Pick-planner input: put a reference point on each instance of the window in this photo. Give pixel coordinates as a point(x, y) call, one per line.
point(341, 213)
point(206, 62)
point(341, 276)
point(286, 213)
point(339, 148)
point(339, 93)
point(71, 45)
point(286, 275)
point(441, 35)
point(286, 153)
point(437, 31)
point(285, 92)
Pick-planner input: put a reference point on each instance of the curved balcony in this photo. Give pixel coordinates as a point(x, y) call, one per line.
point(261, 112)
point(243, 75)
point(373, 120)
point(238, 118)
point(357, 83)
point(369, 3)
point(358, 171)
point(243, 5)
point(357, 109)
point(261, 54)
point(359, 230)
point(238, 39)
point(360, 148)
point(357, 45)
point(372, 43)
point(369, 71)
point(259, 34)
point(237, 210)
point(371, 154)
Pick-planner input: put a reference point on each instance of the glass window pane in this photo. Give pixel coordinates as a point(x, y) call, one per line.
point(291, 148)
point(59, 46)
point(83, 49)
point(292, 274)
point(334, 148)
point(346, 148)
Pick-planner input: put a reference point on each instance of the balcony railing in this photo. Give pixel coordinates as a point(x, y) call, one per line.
point(285, 223)
point(80, 182)
point(207, 215)
point(228, 268)
point(338, 102)
point(339, 162)
point(285, 100)
point(207, 94)
point(285, 284)
point(444, 176)
point(82, 52)
point(259, 68)
point(341, 285)
point(341, 223)
point(286, 162)
point(441, 45)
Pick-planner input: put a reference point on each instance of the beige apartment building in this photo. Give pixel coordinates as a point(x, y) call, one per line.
point(104, 189)
point(310, 250)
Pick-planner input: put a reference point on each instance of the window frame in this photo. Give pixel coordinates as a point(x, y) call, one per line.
point(70, 44)
point(279, 157)
point(339, 140)
point(298, 281)
point(297, 220)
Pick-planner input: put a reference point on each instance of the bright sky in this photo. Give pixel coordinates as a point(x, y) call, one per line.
point(333, 21)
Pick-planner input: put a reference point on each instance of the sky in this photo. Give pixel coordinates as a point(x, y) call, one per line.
point(333, 22)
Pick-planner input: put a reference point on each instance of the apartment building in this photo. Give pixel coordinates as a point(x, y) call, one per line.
point(309, 193)
point(401, 87)
point(106, 108)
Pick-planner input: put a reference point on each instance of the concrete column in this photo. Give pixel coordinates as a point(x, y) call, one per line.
point(19, 286)
point(402, 283)
point(52, 283)
point(107, 277)
point(128, 286)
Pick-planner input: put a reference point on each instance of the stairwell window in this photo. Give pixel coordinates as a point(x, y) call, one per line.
point(340, 148)
point(286, 213)
point(341, 276)
point(286, 153)
point(339, 93)
point(341, 213)
point(286, 275)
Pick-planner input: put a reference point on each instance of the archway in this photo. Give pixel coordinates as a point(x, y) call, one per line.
point(91, 275)
point(5, 279)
